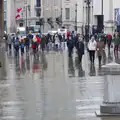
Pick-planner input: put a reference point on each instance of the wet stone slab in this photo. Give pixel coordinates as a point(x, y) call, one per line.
point(51, 86)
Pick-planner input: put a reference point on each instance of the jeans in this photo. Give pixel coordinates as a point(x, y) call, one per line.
point(10, 46)
point(80, 58)
point(99, 59)
point(70, 52)
point(92, 56)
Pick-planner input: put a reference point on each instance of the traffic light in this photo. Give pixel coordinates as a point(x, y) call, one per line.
point(58, 20)
point(42, 21)
point(50, 22)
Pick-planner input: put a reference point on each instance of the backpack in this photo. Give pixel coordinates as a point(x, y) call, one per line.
point(16, 43)
point(22, 45)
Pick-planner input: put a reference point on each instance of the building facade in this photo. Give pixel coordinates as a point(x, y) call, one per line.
point(51, 9)
point(32, 11)
point(73, 12)
point(101, 12)
point(29, 15)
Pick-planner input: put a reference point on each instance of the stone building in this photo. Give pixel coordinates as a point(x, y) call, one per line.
point(100, 12)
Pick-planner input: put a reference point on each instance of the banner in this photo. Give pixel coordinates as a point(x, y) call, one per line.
point(117, 16)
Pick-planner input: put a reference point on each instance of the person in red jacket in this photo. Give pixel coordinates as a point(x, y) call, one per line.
point(38, 41)
point(109, 41)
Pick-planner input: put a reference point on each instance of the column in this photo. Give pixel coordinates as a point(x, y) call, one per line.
point(11, 13)
point(111, 99)
point(111, 12)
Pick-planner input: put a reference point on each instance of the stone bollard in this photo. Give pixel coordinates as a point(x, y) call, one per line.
point(111, 99)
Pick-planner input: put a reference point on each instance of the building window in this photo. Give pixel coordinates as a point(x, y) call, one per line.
point(38, 3)
point(67, 13)
point(38, 13)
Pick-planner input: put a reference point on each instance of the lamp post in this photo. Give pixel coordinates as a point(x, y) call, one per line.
point(102, 8)
point(88, 21)
point(26, 18)
point(76, 17)
point(102, 14)
point(61, 17)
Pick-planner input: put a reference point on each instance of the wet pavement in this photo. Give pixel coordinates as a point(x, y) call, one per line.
point(50, 86)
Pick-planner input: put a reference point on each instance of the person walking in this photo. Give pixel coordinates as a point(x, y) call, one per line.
point(22, 45)
point(43, 43)
point(100, 50)
point(9, 42)
point(92, 44)
point(116, 44)
point(16, 46)
point(109, 41)
point(80, 49)
point(27, 43)
point(34, 45)
point(70, 45)
point(57, 43)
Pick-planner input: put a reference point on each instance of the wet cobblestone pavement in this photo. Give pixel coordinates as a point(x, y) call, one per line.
point(50, 87)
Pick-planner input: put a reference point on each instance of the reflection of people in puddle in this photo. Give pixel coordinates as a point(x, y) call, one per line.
point(28, 62)
point(17, 66)
point(44, 61)
point(81, 72)
point(104, 58)
point(22, 64)
point(76, 62)
point(109, 56)
point(36, 65)
point(92, 70)
point(78, 66)
point(71, 70)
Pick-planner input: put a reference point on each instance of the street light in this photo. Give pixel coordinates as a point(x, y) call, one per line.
point(88, 22)
point(76, 17)
point(27, 8)
point(61, 17)
point(102, 15)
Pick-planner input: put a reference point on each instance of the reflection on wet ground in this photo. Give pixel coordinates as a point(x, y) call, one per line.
point(51, 86)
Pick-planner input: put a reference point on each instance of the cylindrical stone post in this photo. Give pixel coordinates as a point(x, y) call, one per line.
point(2, 59)
point(111, 99)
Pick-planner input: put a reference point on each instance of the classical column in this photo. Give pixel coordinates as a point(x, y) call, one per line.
point(111, 12)
point(11, 13)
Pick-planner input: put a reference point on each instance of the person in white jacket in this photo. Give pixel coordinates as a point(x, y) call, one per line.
point(57, 42)
point(92, 45)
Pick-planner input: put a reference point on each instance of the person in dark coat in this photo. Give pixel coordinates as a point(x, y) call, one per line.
point(70, 45)
point(100, 50)
point(43, 42)
point(109, 41)
point(27, 43)
point(80, 49)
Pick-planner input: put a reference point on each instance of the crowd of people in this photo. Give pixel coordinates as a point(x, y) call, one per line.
point(96, 44)
point(36, 42)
